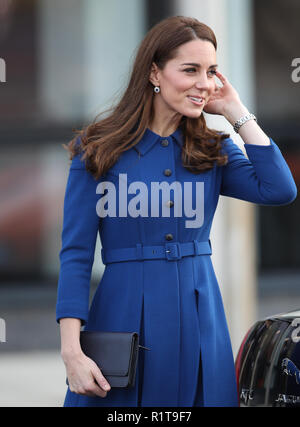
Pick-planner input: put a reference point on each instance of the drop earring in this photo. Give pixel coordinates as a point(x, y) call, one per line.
point(156, 89)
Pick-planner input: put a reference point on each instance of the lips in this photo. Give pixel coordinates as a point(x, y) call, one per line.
point(197, 99)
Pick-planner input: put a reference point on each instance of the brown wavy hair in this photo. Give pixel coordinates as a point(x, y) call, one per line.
point(103, 141)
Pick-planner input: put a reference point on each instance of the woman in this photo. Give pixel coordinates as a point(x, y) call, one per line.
point(158, 278)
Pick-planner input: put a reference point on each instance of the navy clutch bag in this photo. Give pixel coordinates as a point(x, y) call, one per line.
point(115, 353)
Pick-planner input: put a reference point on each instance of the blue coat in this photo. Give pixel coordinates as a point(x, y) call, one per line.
point(163, 289)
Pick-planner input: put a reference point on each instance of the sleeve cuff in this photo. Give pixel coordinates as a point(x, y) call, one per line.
point(271, 145)
point(63, 311)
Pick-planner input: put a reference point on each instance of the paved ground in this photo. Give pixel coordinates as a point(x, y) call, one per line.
point(31, 370)
point(32, 379)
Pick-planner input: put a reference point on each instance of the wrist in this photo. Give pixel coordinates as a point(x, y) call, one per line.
point(70, 338)
point(71, 353)
point(235, 111)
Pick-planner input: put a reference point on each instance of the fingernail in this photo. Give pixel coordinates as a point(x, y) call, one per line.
point(106, 387)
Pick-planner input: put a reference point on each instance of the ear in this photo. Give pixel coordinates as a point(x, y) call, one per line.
point(154, 75)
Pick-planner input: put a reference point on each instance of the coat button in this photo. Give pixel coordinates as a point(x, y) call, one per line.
point(170, 203)
point(164, 142)
point(167, 172)
point(169, 236)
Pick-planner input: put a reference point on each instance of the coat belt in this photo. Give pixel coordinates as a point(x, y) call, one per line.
point(171, 251)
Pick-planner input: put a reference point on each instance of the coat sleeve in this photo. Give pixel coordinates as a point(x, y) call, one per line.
point(263, 179)
point(79, 234)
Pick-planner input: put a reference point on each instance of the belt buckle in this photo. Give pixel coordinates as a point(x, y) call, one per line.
point(173, 251)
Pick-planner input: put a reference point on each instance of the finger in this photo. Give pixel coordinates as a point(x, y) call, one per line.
point(92, 389)
point(221, 77)
point(97, 391)
point(101, 380)
point(81, 390)
point(216, 95)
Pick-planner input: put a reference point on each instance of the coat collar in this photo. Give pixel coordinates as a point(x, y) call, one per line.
point(150, 138)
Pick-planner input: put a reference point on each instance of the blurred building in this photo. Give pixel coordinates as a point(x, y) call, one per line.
point(68, 60)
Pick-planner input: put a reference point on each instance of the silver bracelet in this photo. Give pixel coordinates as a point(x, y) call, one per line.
point(243, 120)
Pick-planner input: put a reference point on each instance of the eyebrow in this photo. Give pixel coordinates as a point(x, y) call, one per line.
point(194, 64)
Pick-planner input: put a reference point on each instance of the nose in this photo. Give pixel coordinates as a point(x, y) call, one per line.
point(204, 82)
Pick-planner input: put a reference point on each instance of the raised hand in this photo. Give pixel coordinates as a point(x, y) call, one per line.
point(224, 98)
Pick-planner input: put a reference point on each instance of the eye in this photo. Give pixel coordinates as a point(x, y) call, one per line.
point(213, 72)
point(190, 69)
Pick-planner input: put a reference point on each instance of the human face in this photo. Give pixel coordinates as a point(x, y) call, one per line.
point(188, 76)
